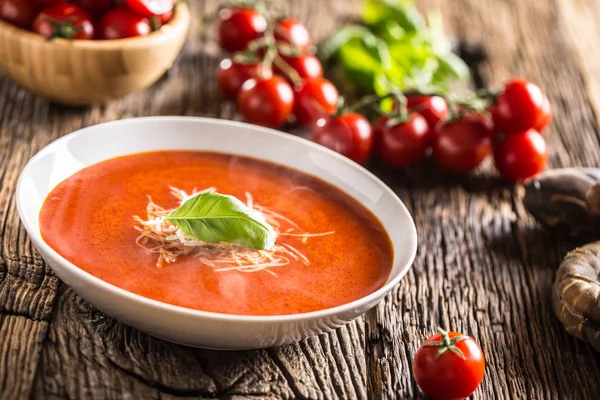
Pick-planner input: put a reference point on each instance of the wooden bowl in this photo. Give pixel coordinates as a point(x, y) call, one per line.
point(86, 72)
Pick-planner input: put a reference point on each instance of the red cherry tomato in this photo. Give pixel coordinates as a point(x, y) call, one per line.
point(231, 76)
point(402, 144)
point(294, 33)
point(349, 134)
point(18, 12)
point(266, 101)
point(545, 116)
point(238, 27)
point(65, 21)
point(120, 23)
point(95, 7)
point(521, 155)
point(462, 145)
point(47, 2)
point(518, 107)
point(149, 8)
point(306, 65)
point(316, 98)
point(449, 366)
point(433, 108)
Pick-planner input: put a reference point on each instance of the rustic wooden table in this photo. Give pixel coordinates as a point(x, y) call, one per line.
point(483, 266)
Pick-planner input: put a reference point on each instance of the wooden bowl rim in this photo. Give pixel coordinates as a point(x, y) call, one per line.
point(179, 24)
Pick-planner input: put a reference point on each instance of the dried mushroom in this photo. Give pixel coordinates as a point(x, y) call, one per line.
point(569, 199)
point(576, 293)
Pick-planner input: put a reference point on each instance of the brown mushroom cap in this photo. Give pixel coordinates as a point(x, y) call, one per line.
point(576, 294)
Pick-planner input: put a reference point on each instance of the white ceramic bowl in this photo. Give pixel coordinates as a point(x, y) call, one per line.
point(88, 146)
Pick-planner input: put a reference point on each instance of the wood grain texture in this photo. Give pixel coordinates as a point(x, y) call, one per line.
point(483, 267)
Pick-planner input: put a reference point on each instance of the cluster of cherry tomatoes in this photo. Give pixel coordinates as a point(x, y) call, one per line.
point(88, 19)
point(272, 75)
point(274, 78)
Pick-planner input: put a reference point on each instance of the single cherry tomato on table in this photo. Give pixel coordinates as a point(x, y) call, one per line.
point(238, 27)
point(294, 33)
point(314, 99)
point(232, 75)
point(120, 23)
point(349, 134)
point(433, 108)
point(461, 145)
point(96, 8)
point(306, 65)
point(449, 366)
point(149, 8)
point(266, 101)
point(64, 21)
point(518, 107)
point(402, 144)
point(18, 12)
point(519, 156)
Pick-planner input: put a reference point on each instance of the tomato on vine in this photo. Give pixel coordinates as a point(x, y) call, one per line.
point(545, 116)
point(238, 27)
point(64, 21)
point(518, 107)
point(401, 144)
point(305, 65)
point(294, 33)
point(120, 23)
point(461, 145)
point(433, 108)
point(449, 366)
point(519, 156)
point(231, 76)
point(266, 101)
point(314, 99)
point(18, 12)
point(349, 134)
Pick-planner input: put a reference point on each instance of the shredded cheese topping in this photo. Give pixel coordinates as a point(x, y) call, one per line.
point(161, 237)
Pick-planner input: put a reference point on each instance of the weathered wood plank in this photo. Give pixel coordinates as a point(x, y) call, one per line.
point(484, 267)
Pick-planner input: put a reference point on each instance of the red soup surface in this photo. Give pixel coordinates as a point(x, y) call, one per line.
point(88, 219)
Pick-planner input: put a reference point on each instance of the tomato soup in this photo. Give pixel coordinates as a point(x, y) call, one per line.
point(89, 220)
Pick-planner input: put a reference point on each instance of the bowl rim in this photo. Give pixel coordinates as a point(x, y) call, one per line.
point(80, 274)
point(181, 20)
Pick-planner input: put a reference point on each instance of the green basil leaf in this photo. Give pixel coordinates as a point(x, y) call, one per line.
point(402, 11)
point(213, 217)
point(331, 47)
point(453, 65)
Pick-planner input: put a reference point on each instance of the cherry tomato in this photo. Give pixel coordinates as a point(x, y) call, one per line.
point(306, 65)
point(460, 146)
point(120, 23)
point(521, 155)
point(95, 7)
point(433, 108)
point(149, 8)
point(294, 33)
point(48, 2)
point(518, 107)
point(449, 366)
point(266, 101)
point(545, 116)
point(64, 21)
point(238, 27)
point(316, 98)
point(402, 144)
point(349, 134)
point(231, 76)
point(18, 12)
